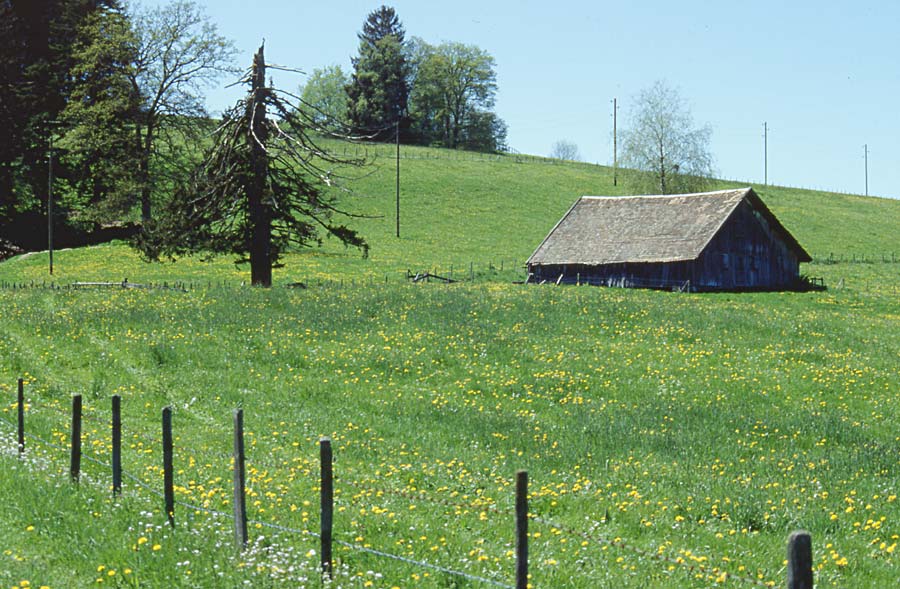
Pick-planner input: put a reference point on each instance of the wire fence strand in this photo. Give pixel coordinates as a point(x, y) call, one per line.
point(285, 529)
point(419, 497)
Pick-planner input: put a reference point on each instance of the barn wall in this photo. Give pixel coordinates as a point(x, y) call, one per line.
point(744, 255)
point(673, 275)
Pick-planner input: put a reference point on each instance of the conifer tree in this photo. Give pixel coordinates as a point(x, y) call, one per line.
point(264, 186)
point(378, 92)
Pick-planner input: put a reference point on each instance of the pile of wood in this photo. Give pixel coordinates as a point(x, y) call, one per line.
point(427, 277)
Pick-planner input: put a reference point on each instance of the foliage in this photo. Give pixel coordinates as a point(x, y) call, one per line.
point(100, 119)
point(453, 92)
point(179, 53)
point(662, 142)
point(37, 41)
point(378, 92)
point(257, 191)
point(565, 150)
point(325, 98)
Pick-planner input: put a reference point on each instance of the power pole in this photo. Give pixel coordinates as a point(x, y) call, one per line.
point(866, 157)
point(398, 178)
point(50, 195)
point(766, 153)
point(615, 146)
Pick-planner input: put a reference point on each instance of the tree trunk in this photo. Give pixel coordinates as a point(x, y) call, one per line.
point(145, 144)
point(662, 170)
point(260, 213)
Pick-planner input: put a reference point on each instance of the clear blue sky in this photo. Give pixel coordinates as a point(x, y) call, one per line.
point(824, 74)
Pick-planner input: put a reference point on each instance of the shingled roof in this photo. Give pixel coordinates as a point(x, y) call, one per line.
point(665, 228)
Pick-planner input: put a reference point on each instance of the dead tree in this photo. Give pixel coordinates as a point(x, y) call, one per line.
point(264, 186)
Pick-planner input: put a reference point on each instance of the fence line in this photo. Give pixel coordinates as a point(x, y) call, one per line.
point(221, 514)
point(799, 550)
point(471, 272)
point(598, 538)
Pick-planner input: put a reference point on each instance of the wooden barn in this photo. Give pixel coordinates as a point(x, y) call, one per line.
point(725, 240)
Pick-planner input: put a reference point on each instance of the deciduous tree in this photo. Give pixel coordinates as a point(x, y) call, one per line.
point(453, 94)
point(565, 150)
point(325, 97)
point(663, 149)
point(179, 53)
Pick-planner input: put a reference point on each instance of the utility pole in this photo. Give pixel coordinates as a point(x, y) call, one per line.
point(866, 157)
point(766, 153)
point(50, 194)
point(398, 178)
point(615, 146)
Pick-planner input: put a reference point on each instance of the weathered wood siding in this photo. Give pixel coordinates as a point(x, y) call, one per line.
point(745, 254)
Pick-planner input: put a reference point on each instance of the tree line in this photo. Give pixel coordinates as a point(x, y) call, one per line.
point(117, 92)
point(105, 100)
point(109, 98)
point(438, 95)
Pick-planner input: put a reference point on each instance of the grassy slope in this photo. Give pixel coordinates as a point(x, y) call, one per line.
point(707, 427)
point(456, 212)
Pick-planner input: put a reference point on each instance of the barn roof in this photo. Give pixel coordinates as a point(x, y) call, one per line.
point(665, 228)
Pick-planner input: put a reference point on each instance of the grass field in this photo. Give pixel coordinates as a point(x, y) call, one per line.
point(671, 440)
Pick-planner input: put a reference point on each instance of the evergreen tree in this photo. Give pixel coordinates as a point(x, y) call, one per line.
point(12, 119)
point(100, 117)
point(378, 92)
point(263, 187)
point(38, 40)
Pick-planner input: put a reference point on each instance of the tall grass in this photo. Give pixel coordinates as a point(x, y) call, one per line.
point(671, 440)
point(695, 426)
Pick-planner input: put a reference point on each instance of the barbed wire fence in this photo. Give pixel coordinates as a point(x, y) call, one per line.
point(799, 568)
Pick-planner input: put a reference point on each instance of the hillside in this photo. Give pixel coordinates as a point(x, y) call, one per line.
point(460, 209)
point(671, 440)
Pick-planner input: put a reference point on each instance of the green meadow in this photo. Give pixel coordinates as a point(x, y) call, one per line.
point(671, 440)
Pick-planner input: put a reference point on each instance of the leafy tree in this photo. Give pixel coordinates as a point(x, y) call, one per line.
point(179, 53)
point(325, 97)
point(484, 131)
point(36, 55)
point(378, 92)
point(260, 189)
point(453, 94)
point(12, 58)
point(662, 147)
point(100, 117)
point(565, 150)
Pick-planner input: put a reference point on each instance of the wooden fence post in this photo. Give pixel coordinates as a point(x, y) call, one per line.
point(168, 462)
point(521, 529)
point(799, 555)
point(117, 444)
point(21, 411)
point(75, 462)
point(240, 499)
point(326, 519)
